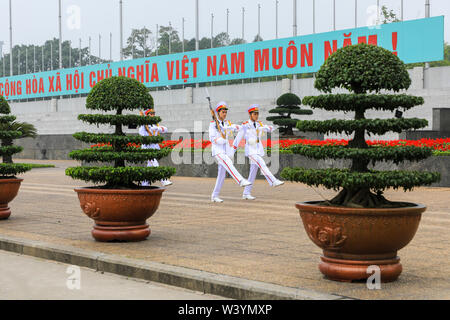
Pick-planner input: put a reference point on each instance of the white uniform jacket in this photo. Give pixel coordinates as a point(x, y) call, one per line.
point(251, 131)
point(155, 130)
point(220, 145)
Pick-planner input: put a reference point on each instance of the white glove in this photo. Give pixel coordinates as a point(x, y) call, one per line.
point(221, 140)
point(231, 153)
point(252, 141)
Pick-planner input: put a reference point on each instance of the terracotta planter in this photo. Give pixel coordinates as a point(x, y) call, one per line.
point(8, 191)
point(120, 214)
point(354, 239)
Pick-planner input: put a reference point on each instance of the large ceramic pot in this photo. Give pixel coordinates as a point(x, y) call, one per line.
point(120, 214)
point(8, 191)
point(353, 239)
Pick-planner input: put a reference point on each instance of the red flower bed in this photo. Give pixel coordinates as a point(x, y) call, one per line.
point(441, 145)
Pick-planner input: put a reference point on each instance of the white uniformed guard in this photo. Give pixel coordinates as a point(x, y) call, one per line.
point(222, 151)
point(251, 131)
point(153, 130)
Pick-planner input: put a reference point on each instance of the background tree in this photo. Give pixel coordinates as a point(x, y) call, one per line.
point(364, 70)
point(7, 149)
point(119, 94)
point(141, 42)
point(287, 104)
point(167, 34)
point(388, 15)
point(237, 41)
point(257, 38)
point(51, 48)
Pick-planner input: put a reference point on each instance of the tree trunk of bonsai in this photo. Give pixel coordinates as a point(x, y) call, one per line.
point(7, 158)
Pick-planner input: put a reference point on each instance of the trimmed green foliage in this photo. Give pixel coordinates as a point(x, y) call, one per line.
point(371, 154)
point(10, 150)
point(7, 119)
point(362, 69)
point(119, 94)
point(351, 102)
point(287, 105)
point(10, 134)
point(120, 176)
point(132, 156)
point(344, 178)
point(375, 126)
point(7, 149)
point(4, 106)
point(9, 170)
point(126, 120)
point(115, 139)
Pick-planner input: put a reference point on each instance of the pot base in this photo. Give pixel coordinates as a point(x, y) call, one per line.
point(354, 270)
point(5, 212)
point(127, 233)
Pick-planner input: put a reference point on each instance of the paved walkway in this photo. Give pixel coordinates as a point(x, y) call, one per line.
point(262, 240)
point(29, 278)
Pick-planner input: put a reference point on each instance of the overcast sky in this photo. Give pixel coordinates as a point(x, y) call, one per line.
point(35, 21)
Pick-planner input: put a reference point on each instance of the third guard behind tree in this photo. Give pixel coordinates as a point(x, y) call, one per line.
point(220, 131)
point(251, 131)
point(153, 130)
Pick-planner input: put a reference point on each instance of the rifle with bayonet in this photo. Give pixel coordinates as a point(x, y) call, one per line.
point(213, 114)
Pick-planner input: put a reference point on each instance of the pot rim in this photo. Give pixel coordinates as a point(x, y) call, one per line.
point(19, 180)
point(116, 191)
point(415, 208)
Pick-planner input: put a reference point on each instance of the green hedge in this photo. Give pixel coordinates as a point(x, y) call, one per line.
point(10, 150)
point(344, 178)
point(363, 68)
point(129, 119)
point(115, 139)
point(137, 156)
point(120, 176)
point(10, 134)
point(371, 154)
point(11, 169)
point(375, 126)
point(7, 119)
point(352, 102)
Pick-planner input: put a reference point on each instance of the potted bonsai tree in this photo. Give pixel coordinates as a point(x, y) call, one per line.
point(9, 184)
point(287, 105)
point(360, 227)
point(120, 207)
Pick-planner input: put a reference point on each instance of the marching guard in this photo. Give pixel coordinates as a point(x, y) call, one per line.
point(251, 131)
point(153, 130)
point(220, 130)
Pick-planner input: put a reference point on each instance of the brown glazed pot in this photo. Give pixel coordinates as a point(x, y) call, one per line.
point(8, 191)
point(120, 214)
point(353, 239)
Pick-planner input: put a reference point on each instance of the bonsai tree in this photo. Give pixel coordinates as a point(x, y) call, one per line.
point(27, 130)
point(287, 104)
point(8, 133)
point(119, 94)
point(364, 70)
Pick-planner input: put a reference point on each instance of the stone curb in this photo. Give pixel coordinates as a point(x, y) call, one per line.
point(202, 281)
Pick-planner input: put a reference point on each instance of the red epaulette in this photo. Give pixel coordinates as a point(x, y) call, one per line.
point(245, 122)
